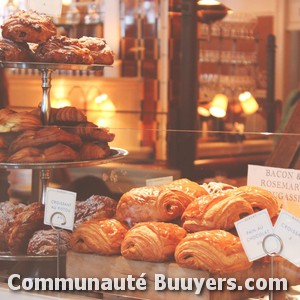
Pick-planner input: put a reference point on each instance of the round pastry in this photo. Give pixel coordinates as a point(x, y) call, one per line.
point(95, 207)
point(62, 49)
point(28, 26)
point(100, 51)
point(45, 242)
point(11, 51)
point(94, 150)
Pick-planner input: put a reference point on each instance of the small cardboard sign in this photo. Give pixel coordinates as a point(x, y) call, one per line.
point(60, 207)
point(252, 231)
point(283, 183)
point(159, 181)
point(48, 7)
point(287, 228)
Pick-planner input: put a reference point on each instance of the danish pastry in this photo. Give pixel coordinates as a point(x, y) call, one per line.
point(11, 51)
point(152, 241)
point(28, 26)
point(99, 236)
point(216, 251)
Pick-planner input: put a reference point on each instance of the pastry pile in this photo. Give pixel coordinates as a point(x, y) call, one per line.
point(32, 37)
point(69, 137)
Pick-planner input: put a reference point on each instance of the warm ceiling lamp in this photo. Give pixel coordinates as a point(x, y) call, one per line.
point(218, 106)
point(248, 103)
point(210, 11)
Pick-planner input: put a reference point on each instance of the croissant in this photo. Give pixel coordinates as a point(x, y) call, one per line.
point(259, 198)
point(99, 236)
point(152, 241)
point(94, 150)
point(216, 251)
point(151, 203)
point(67, 115)
point(215, 211)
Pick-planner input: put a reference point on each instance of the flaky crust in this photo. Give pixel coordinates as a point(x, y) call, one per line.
point(44, 137)
point(62, 49)
point(94, 150)
point(45, 242)
point(215, 211)
point(151, 203)
point(68, 115)
point(216, 251)
point(95, 207)
point(152, 241)
point(25, 224)
point(11, 51)
point(28, 26)
point(99, 236)
point(100, 50)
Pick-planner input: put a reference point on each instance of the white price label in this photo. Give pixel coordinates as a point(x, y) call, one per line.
point(159, 181)
point(60, 208)
point(287, 227)
point(48, 7)
point(252, 231)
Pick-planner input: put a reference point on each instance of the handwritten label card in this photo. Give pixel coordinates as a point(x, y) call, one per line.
point(159, 181)
point(61, 205)
point(252, 230)
point(48, 7)
point(287, 227)
point(283, 183)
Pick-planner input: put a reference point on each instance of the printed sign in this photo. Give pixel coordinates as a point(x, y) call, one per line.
point(252, 231)
point(287, 228)
point(60, 207)
point(283, 183)
point(159, 181)
point(49, 7)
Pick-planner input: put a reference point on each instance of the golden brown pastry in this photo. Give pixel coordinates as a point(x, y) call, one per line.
point(3, 155)
point(62, 49)
point(45, 242)
point(215, 211)
point(95, 207)
point(152, 241)
point(100, 51)
point(68, 115)
point(152, 203)
point(11, 121)
point(11, 51)
point(216, 251)
point(259, 198)
point(28, 26)
point(94, 150)
point(44, 137)
point(217, 187)
point(99, 236)
point(25, 224)
point(6, 139)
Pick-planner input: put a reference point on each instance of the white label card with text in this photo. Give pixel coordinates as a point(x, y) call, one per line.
point(60, 206)
point(48, 7)
point(252, 230)
point(159, 181)
point(283, 183)
point(287, 227)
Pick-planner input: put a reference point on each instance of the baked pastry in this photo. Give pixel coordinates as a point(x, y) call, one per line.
point(56, 153)
point(8, 211)
point(216, 251)
point(99, 236)
point(215, 211)
point(152, 241)
point(94, 150)
point(259, 198)
point(217, 187)
point(95, 207)
point(25, 224)
point(28, 26)
point(100, 51)
point(11, 121)
point(68, 115)
point(6, 139)
point(62, 49)
point(11, 51)
point(45, 242)
point(3, 155)
point(150, 203)
point(44, 137)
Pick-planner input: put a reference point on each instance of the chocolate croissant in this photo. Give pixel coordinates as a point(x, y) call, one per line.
point(216, 251)
point(99, 236)
point(152, 241)
point(215, 211)
point(152, 203)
